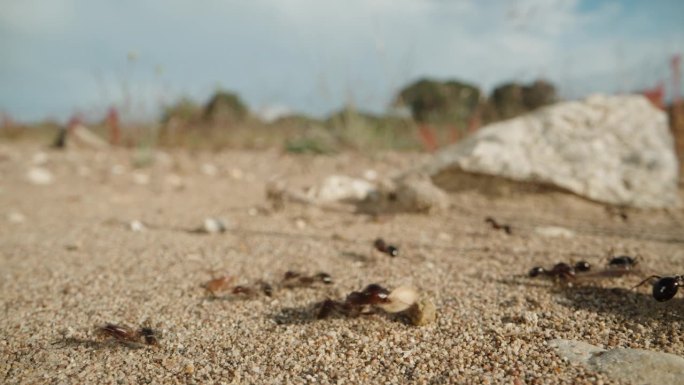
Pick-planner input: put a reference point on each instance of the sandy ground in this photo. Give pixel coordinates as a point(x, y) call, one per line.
point(73, 264)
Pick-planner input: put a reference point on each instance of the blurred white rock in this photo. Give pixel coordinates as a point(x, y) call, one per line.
point(140, 178)
point(612, 149)
point(40, 176)
point(370, 175)
point(16, 217)
point(337, 188)
point(175, 181)
point(39, 158)
point(634, 366)
point(209, 169)
point(136, 226)
point(117, 169)
point(211, 226)
point(554, 231)
point(236, 174)
point(82, 137)
point(83, 171)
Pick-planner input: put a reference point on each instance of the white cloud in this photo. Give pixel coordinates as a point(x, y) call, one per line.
point(314, 55)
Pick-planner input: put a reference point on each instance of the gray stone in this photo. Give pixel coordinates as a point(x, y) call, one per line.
point(635, 366)
point(417, 193)
point(611, 149)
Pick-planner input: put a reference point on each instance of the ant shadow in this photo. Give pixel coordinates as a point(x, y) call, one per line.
point(73, 342)
point(303, 315)
point(628, 304)
point(356, 257)
point(624, 303)
point(296, 315)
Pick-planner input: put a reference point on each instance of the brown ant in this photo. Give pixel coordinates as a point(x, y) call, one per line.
point(561, 270)
point(381, 246)
point(497, 226)
point(326, 308)
point(218, 284)
point(356, 302)
point(242, 290)
point(127, 334)
point(665, 288)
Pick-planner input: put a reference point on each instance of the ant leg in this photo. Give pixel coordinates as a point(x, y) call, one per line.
point(646, 280)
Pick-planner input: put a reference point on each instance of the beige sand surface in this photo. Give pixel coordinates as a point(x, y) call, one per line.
point(74, 264)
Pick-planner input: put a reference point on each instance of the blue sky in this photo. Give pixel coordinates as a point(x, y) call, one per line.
point(313, 56)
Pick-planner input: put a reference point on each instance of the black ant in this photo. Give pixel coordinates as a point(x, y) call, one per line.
point(561, 270)
point(497, 226)
point(149, 335)
point(665, 288)
point(294, 278)
point(381, 246)
point(127, 334)
point(623, 262)
point(266, 288)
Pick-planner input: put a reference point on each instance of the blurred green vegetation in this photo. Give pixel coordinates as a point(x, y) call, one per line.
point(450, 109)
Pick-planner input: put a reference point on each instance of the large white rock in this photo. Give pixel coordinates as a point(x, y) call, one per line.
point(612, 149)
point(634, 366)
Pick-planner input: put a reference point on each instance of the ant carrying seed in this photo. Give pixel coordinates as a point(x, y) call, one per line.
point(127, 334)
point(497, 226)
point(367, 300)
point(665, 288)
point(356, 302)
point(381, 246)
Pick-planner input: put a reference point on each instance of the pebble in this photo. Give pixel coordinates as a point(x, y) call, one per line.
point(636, 366)
point(554, 231)
point(136, 226)
point(212, 226)
point(40, 176)
point(209, 169)
point(16, 217)
point(140, 178)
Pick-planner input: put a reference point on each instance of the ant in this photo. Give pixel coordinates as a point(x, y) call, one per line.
point(294, 278)
point(497, 226)
point(665, 288)
point(218, 284)
point(356, 302)
point(127, 334)
point(624, 262)
point(381, 246)
point(561, 270)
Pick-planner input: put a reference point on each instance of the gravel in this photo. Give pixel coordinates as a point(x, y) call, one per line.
point(71, 266)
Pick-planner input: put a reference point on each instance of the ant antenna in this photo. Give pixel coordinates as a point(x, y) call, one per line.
point(646, 280)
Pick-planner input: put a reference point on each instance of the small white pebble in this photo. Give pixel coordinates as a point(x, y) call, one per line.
point(209, 169)
point(16, 217)
point(141, 178)
point(136, 226)
point(40, 176)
